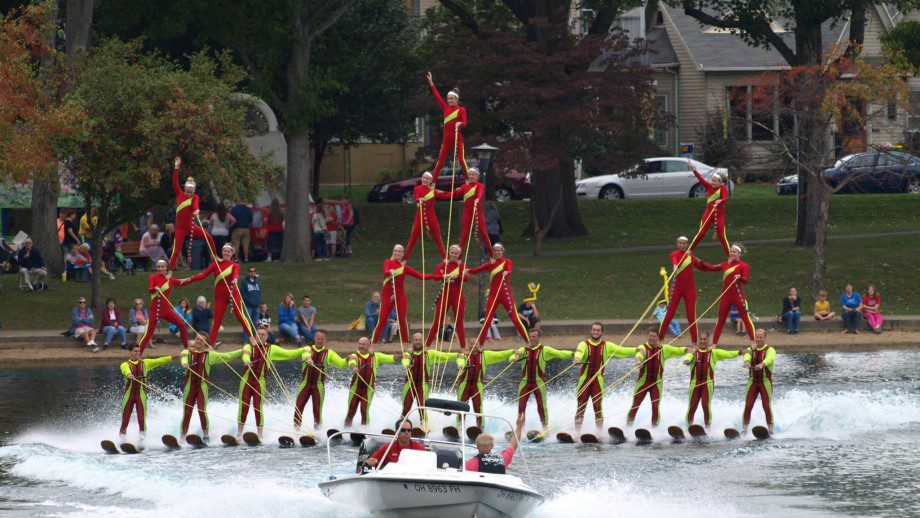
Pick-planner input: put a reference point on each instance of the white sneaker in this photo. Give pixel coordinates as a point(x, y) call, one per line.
point(92, 343)
point(268, 259)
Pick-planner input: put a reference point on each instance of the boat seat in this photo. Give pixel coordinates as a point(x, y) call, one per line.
point(448, 456)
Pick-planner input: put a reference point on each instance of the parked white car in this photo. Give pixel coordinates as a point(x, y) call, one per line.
point(662, 177)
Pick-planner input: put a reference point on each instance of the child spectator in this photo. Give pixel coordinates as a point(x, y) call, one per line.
point(659, 313)
point(872, 309)
point(137, 320)
point(306, 319)
point(110, 324)
point(850, 304)
point(792, 311)
point(287, 319)
point(823, 307)
point(81, 323)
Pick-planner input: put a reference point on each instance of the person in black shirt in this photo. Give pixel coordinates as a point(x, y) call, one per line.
point(792, 311)
point(530, 315)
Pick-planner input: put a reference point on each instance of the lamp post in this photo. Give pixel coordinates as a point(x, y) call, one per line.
point(484, 153)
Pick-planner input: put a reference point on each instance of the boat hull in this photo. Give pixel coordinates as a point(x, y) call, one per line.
point(405, 497)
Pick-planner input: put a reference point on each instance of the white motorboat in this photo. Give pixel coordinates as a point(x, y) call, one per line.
point(433, 482)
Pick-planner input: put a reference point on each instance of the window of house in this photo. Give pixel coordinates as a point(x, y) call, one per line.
point(892, 110)
point(762, 109)
point(659, 19)
point(736, 101)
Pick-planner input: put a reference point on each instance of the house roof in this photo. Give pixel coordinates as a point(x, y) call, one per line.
point(716, 49)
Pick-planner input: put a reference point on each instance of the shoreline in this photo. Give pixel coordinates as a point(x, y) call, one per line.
point(73, 354)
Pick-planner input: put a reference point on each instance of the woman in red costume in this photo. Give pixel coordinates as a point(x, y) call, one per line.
point(683, 287)
point(499, 269)
point(186, 213)
point(425, 218)
point(471, 193)
point(161, 283)
point(451, 296)
point(226, 273)
point(454, 121)
point(394, 292)
point(716, 198)
point(734, 274)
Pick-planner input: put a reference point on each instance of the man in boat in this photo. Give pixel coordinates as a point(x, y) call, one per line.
point(363, 365)
point(473, 371)
point(702, 364)
point(317, 358)
point(258, 356)
point(487, 462)
point(650, 359)
point(593, 355)
point(197, 363)
point(417, 365)
point(135, 398)
point(533, 373)
point(758, 360)
point(393, 449)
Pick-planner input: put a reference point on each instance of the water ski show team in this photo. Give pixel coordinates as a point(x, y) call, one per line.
point(424, 358)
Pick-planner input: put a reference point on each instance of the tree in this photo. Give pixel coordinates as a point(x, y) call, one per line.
point(370, 55)
point(140, 110)
point(548, 96)
point(902, 44)
point(753, 20)
point(274, 41)
point(840, 87)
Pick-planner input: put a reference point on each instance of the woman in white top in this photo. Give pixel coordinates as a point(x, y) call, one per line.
point(318, 225)
point(221, 221)
point(150, 245)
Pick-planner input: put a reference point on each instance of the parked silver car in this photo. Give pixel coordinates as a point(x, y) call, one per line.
point(660, 177)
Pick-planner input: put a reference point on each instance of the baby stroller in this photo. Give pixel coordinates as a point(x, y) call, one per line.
point(117, 260)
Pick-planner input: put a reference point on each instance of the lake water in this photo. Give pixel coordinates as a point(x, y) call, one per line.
point(847, 443)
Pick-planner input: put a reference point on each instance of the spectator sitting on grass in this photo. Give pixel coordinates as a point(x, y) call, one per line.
point(184, 310)
point(823, 308)
point(530, 315)
point(287, 319)
point(137, 320)
point(78, 266)
point(32, 272)
point(306, 319)
point(202, 315)
point(872, 309)
point(792, 311)
point(81, 324)
point(660, 312)
point(111, 324)
point(372, 312)
point(850, 303)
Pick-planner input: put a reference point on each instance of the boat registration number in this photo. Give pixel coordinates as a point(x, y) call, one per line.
point(514, 497)
point(437, 488)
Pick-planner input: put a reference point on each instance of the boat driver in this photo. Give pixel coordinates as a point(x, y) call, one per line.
point(403, 442)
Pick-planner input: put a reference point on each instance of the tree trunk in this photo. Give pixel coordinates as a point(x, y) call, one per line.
point(857, 26)
point(44, 223)
point(79, 23)
point(548, 187)
point(296, 247)
point(319, 151)
point(821, 192)
point(96, 253)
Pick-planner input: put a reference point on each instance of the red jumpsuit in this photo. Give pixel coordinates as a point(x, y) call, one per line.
point(454, 121)
point(159, 288)
point(712, 194)
point(394, 275)
point(425, 217)
point(186, 206)
point(470, 193)
point(499, 293)
point(451, 297)
point(733, 296)
point(684, 287)
point(225, 274)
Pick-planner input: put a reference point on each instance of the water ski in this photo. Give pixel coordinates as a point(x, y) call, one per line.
point(451, 433)
point(473, 432)
point(589, 438)
point(676, 433)
point(170, 442)
point(109, 446)
point(307, 441)
point(616, 435)
point(643, 436)
point(760, 432)
point(334, 440)
point(356, 438)
point(388, 431)
point(285, 442)
point(251, 439)
point(696, 431)
point(731, 434)
point(418, 433)
point(535, 436)
point(229, 440)
point(127, 447)
point(565, 438)
point(195, 440)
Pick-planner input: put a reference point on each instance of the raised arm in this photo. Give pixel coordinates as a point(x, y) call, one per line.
point(699, 177)
point(176, 185)
point(438, 98)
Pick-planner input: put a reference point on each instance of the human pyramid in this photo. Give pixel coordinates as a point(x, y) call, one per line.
point(424, 363)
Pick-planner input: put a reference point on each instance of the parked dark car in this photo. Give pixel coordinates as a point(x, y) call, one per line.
point(869, 172)
point(511, 185)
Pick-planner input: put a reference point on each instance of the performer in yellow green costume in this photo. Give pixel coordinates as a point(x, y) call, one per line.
point(135, 372)
point(257, 357)
point(363, 364)
point(533, 373)
point(593, 355)
point(702, 364)
point(197, 363)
